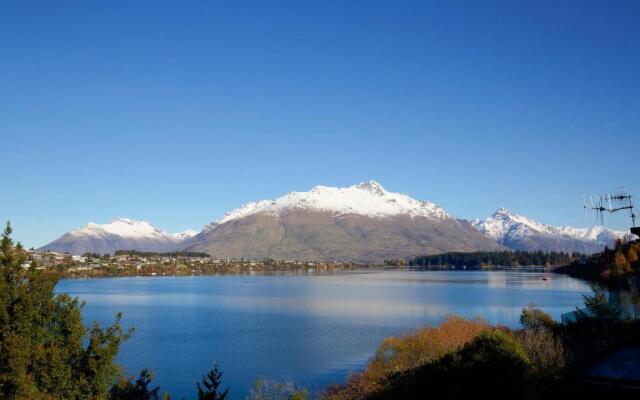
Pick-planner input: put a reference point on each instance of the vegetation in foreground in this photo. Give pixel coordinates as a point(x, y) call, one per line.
point(461, 358)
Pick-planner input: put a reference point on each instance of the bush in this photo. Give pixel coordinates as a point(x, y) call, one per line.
point(545, 351)
point(493, 365)
point(533, 318)
point(398, 354)
point(426, 344)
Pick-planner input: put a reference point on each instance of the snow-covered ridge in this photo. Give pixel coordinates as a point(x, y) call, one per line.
point(128, 228)
point(504, 224)
point(185, 235)
point(367, 198)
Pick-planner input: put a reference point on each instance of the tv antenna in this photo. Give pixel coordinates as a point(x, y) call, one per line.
point(611, 203)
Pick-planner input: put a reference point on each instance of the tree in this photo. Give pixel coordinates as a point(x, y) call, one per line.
point(210, 384)
point(493, 363)
point(533, 318)
point(599, 306)
point(632, 255)
point(126, 389)
point(42, 337)
point(620, 264)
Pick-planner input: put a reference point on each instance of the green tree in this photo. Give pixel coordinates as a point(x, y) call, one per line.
point(42, 337)
point(127, 389)
point(535, 319)
point(210, 384)
point(599, 306)
point(493, 363)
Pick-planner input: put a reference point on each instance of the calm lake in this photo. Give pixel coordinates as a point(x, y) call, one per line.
point(309, 329)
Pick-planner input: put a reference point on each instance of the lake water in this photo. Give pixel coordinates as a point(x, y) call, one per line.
point(309, 329)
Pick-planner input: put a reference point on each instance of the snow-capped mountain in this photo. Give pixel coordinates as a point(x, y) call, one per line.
point(368, 199)
point(119, 234)
point(521, 233)
point(363, 222)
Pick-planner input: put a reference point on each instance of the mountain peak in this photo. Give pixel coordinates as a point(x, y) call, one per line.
point(522, 233)
point(371, 187)
point(503, 211)
point(366, 198)
point(126, 228)
point(127, 221)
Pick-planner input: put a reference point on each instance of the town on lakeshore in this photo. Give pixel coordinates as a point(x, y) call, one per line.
point(135, 263)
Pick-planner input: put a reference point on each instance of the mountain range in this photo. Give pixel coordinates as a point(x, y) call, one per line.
point(363, 223)
point(119, 234)
point(517, 232)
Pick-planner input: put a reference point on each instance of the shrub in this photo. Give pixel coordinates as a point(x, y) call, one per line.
point(545, 351)
point(426, 344)
point(534, 318)
point(493, 365)
point(399, 354)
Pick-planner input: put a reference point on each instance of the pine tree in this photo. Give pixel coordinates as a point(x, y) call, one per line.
point(210, 384)
point(599, 306)
point(126, 389)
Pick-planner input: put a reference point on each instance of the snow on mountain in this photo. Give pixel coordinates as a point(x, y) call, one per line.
point(119, 234)
point(362, 223)
point(123, 227)
point(367, 199)
point(185, 235)
point(522, 233)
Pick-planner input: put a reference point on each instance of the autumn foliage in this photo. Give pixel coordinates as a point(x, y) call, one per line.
point(398, 354)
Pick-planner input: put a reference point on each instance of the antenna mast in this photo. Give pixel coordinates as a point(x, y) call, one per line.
point(620, 200)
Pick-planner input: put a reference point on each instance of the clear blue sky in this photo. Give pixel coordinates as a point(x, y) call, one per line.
point(175, 112)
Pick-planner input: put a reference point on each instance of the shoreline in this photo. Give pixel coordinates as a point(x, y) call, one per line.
point(312, 272)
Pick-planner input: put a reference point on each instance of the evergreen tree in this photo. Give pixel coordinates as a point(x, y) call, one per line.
point(599, 305)
point(126, 389)
point(42, 336)
point(210, 384)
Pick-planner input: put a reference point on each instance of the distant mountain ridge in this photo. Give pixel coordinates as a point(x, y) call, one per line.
point(119, 234)
point(363, 223)
point(517, 232)
point(367, 199)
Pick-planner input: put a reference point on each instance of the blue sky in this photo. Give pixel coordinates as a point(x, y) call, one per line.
point(175, 112)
